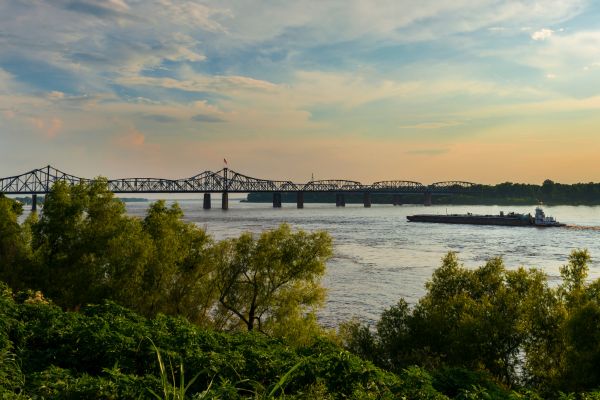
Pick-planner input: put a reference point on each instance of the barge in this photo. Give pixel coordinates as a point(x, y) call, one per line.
point(509, 219)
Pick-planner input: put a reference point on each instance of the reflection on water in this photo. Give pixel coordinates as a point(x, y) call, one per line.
point(380, 257)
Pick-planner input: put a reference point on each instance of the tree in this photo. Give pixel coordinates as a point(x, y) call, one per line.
point(471, 319)
point(15, 251)
point(71, 239)
point(574, 274)
point(272, 281)
point(177, 276)
point(89, 250)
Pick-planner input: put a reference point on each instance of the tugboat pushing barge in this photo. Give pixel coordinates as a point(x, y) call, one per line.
point(510, 219)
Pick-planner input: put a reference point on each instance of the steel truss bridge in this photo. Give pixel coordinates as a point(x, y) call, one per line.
point(224, 181)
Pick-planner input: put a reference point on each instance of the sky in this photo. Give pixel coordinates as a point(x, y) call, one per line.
point(484, 91)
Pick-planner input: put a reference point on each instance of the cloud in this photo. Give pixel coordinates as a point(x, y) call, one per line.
point(562, 55)
point(7, 82)
point(160, 118)
point(49, 127)
point(8, 114)
point(207, 118)
point(195, 15)
point(97, 8)
point(431, 125)
point(132, 139)
point(200, 83)
point(274, 70)
point(542, 34)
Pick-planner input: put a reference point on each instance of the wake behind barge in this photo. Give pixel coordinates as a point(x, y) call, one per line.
point(510, 219)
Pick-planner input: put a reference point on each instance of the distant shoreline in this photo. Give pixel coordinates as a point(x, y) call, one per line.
point(514, 199)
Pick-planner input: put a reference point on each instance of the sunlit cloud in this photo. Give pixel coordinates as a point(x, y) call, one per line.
point(48, 127)
point(132, 139)
point(542, 34)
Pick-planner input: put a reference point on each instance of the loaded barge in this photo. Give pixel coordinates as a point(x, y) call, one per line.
point(510, 219)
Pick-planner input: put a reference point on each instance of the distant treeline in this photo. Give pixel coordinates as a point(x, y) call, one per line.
point(504, 193)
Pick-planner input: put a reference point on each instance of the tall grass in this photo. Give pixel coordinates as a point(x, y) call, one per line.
point(171, 389)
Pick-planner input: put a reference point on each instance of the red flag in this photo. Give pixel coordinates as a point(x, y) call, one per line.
point(225, 161)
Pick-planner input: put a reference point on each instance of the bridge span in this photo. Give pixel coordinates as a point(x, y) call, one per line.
point(225, 181)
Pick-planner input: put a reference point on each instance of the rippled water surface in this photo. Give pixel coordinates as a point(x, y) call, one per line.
point(380, 257)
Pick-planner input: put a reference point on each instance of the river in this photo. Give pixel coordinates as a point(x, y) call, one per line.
point(379, 257)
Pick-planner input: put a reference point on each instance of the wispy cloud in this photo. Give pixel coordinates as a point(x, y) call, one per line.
point(207, 118)
point(200, 83)
point(160, 118)
point(432, 125)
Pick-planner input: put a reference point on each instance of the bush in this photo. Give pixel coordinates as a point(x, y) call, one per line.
point(107, 352)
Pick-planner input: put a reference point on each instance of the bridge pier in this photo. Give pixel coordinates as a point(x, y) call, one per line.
point(206, 205)
point(300, 199)
point(427, 200)
point(225, 201)
point(367, 199)
point(277, 200)
point(340, 200)
point(34, 202)
point(396, 200)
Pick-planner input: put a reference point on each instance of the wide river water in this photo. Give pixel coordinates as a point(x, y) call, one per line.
point(379, 257)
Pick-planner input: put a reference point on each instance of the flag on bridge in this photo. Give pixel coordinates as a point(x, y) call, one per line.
point(225, 161)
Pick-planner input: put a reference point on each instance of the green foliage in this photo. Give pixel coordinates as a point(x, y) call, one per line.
point(272, 283)
point(477, 333)
point(487, 329)
point(103, 352)
point(85, 249)
point(170, 389)
point(14, 243)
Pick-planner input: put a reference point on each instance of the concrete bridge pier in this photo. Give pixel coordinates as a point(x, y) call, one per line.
point(300, 199)
point(206, 204)
point(427, 201)
point(34, 202)
point(367, 199)
point(225, 201)
point(396, 200)
point(340, 200)
point(277, 200)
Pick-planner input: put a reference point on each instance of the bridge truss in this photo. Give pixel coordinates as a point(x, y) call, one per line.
point(40, 181)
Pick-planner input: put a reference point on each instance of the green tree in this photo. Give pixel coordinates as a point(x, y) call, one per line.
point(88, 250)
point(574, 274)
point(271, 282)
point(469, 318)
point(176, 279)
point(472, 318)
point(15, 244)
point(70, 242)
point(580, 330)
